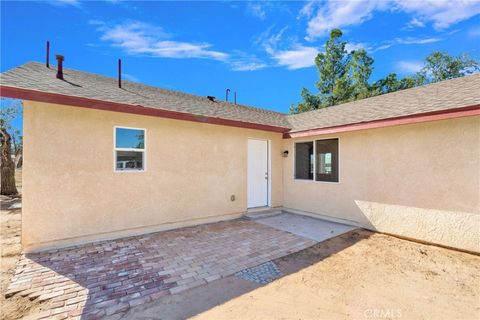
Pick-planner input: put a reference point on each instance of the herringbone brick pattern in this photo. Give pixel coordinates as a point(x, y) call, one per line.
point(94, 280)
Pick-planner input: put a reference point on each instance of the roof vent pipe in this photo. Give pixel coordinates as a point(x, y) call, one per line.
point(235, 97)
point(226, 94)
point(60, 59)
point(48, 54)
point(119, 73)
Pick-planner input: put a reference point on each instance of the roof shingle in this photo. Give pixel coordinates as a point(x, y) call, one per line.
point(441, 96)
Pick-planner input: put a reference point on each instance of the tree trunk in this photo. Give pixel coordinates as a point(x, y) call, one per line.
point(18, 158)
point(7, 166)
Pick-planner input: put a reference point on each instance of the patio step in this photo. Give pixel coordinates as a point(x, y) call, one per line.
point(259, 214)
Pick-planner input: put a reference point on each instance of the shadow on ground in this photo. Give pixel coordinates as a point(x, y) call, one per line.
point(109, 277)
point(198, 300)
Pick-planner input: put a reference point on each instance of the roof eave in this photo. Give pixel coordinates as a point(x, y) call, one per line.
point(48, 97)
point(465, 111)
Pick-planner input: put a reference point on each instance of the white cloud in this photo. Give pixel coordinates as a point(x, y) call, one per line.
point(130, 77)
point(474, 32)
point(270, 41)
point(402, 41)
point(409, 66)
point(351, 46)
point(338, 14)
point(411, 40)
point(142, 38)
point(292, 55)
point(241, 61)
point(64, 3)
point(247, 65)
point(382, 47)
point(416, 23)
point(138, 38)
point(257, 10)
point(443, 13)
point(296, 58)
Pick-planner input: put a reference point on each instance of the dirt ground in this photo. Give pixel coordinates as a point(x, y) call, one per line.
point(358, 275)
point(10, 230)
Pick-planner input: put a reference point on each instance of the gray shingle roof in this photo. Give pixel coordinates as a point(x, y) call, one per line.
point(35, 76)
point(450, 94)
point(444, 95)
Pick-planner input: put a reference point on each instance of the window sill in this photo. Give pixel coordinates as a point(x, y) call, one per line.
point(314, 181)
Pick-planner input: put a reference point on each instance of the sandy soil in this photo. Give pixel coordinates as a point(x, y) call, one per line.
point(359, 275)
point(10, 249)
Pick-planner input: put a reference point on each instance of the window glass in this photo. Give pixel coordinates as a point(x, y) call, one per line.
point(129, 160)
point(304, 160)
point(326, 160)
point(129, 149)
point(130, 138)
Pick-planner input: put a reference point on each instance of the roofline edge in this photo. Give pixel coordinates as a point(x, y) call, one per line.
point(467, 111)
point(49, 97)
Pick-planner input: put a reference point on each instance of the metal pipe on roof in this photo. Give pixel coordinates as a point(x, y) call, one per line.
point(119, 73)
point(60, 59)
point(235, 97)
point(226, 94)
point(48, 54)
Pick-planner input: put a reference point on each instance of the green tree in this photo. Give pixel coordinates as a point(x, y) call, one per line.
point(391, 84)
point(343, 76)
point(332, 66)
point(310, 102)
point(360, 69)
point(442, 66)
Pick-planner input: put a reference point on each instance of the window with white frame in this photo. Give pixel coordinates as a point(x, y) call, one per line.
point(129, 149)
point(317, 160)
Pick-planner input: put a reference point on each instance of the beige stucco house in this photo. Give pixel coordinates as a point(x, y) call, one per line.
point(136, 159)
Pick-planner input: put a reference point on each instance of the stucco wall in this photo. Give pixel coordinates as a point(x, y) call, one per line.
point(420, 181)
point(71, 193)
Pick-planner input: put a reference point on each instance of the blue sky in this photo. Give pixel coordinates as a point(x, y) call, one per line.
point(262, 50)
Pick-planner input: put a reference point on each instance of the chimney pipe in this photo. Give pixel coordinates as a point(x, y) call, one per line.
point(235, 97)
point(119, 73)
point(48, 54)
point(226, 94)
point(60, 59)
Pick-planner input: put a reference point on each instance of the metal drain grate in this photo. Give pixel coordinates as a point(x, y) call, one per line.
point(263, 273)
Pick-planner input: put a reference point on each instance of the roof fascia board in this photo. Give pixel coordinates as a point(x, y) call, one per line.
point(472, 110)
point(40, 96)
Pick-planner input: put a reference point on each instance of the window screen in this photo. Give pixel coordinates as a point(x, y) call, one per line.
point(326, 160)
point(304, 160)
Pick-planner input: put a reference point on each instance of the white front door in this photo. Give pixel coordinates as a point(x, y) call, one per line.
point(257, 176)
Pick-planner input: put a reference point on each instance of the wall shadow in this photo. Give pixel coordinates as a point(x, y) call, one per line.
point(201, 299)
point(96, 280)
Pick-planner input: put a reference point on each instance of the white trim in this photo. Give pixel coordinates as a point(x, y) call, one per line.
point(143, 150)
point(269, 170)
point(315, 161)
point(269, 165)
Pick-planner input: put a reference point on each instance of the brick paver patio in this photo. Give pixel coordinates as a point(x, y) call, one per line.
point(104, 278)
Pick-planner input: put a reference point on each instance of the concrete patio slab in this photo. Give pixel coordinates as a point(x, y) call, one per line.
point(108, 277)
point(307, 227)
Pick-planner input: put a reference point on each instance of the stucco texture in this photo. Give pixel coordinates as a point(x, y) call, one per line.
point(420, 181)
point(71, 193)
